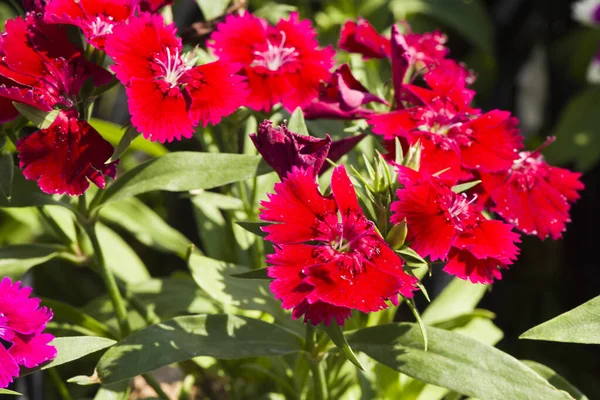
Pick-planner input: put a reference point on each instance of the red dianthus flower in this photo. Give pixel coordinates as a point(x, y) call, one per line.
point(329, 258)
point(446, 226)
point(283, 63)
point(168, 95)
point(22, 322)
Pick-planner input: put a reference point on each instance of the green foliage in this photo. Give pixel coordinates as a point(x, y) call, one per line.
point(297, 123)
point(555, 379)
point(73, 348)
point(580, 325)
point(41, 119)
point(453, 361)
point(335, 333)
point(11, 392)
point(17, 259)
point(211, 9)
point(112, 133)
point(221, 336)
point(6, 175)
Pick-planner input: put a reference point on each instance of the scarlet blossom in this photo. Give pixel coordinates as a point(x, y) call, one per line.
point(40, 67)
point(96, 18)
point(65, 157)
point(533, 195)
point(329, 258)
point(154, 5)
point(168, 95)
point(342, 97)
point(423, 49)
point(283, 63)
point(22, 322)
point(446, 226)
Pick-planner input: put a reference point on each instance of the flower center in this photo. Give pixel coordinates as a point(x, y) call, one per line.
point(101, 26)
point(174, 66)
point(459, 209)
point(274, 57)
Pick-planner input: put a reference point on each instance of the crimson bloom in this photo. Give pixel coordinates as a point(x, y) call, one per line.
point(329, 258)
point(96, 18)
point(22, 323)
point(533, 195)
point(65, 157)
point(283, 63)
point(169, 96)
point(446, 226)
point(342, 97)
point(40, 67)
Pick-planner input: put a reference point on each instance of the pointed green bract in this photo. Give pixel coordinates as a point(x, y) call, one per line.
point(335, 333)
point(297, 123)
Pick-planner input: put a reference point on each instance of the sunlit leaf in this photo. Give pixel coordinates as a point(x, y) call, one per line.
point(555, 379)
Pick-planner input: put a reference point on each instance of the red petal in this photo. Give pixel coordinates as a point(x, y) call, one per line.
point(9, 369)
point(464, 265)
point(319, 312)
point(22, 314)
point(490, 239)
point(235, 38)
point(18, 53)
point(32, 350)
point(63, 157)
point(360, 37)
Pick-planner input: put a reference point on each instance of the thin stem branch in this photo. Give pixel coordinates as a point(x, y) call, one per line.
point(153, 383)
point(58, 382)
point(315, 364)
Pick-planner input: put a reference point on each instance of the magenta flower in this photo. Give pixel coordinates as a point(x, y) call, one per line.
point(22, 322)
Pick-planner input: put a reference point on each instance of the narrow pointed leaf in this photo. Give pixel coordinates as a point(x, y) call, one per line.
point(130, 134)
point(113, 133)
point(12, 392)
point(253, 227)
point(297, 123)
point(463, 187)
point(335, 333)
point(221, 336)
point(555, 379)
point(453, 361)
point(15, 260)
point(580, 325)
point(41, 119)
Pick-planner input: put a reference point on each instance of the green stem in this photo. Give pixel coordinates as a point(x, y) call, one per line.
point(315, 364)
point(60, 234)
point(153, 383)
point(58, 382)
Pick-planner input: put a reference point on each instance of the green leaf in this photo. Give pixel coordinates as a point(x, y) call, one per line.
point(297, 123)
point(453, 361)
point(26, 193)
point(577, 136)
point(6, 391)
point(64, 312)
point(182, 171)
point(335, 333)
point(260, 273)
point(212, 9)
point(273, 11)
point(254, 227)
point(464, 319)
point(150, 229)
point(555, 379)
point(221, 336)
point(112, 133)
point(128, 137)
point(41, 119)
point(459, 297)
point(116, 391)
point(218, 200)
point(468, 17)
point(120, 257)
point(214, 278)
point(17, 259)
point(7, 168)
point(580, 325)
point(463, 187)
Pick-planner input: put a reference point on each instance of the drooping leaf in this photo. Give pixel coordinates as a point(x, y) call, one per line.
point(580, 325)
point(221, 336)
point(41, 119)
point(335, 333)
point(453, 361)
point(114, 134)
point(6, 175)
point(469, 18)
point(64, 312)
point(297, 123)
point(459, 297)
point(15, 260)
point(147, 227)
point(181, 171)
point(555, 379)
point(128, 137)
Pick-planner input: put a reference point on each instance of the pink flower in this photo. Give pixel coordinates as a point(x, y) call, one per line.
point(168, 95)
point(40, 67)
point(96, 18)
point(22, 322)
point(65, 157)
point(446, 226)
point(329, 259)
point(283, 63)
point(342, 97)
point(533, 195)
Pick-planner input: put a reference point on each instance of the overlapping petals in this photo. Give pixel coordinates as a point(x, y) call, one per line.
point(168, 94)
point(66, 157)
point(283, 63)
point(22, 322)
point(329, 258)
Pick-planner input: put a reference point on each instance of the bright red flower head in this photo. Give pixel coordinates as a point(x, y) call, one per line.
point(168, 95)
point(360, 37)
point(65, 157)
point(154, 5)
point(283, 63)
point(40, 67)
point(96, 18)
point(22, 322)
point(328, 257)
point(446, 226)
point(342, 97)
point(533, 195)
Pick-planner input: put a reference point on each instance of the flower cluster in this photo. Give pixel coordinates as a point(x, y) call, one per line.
point(22, 322)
